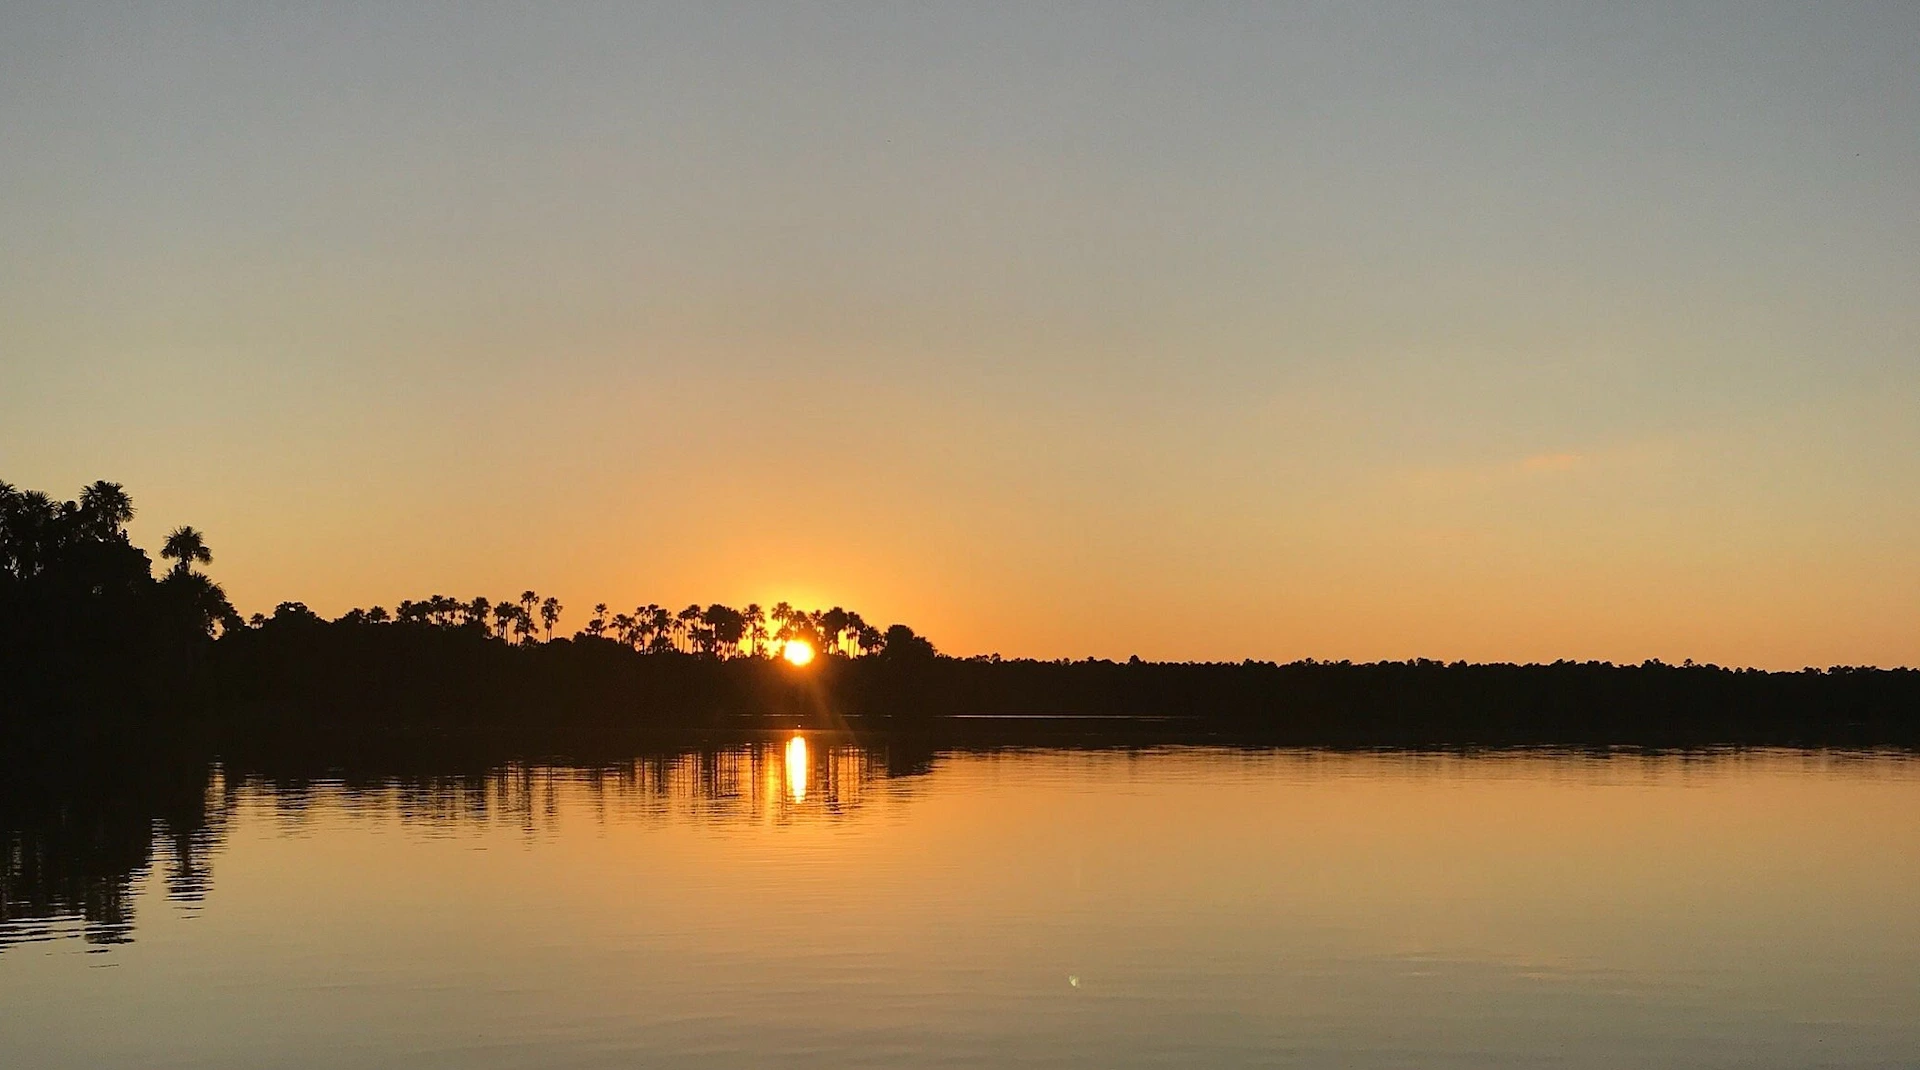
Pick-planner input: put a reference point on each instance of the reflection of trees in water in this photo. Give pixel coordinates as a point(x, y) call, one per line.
point(75, 842)
point(751, 784)
point(79, 839)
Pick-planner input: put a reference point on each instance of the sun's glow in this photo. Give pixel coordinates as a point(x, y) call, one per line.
point(797, 651)
point(797, 768)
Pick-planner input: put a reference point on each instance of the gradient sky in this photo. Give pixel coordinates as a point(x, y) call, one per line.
point(1451, 330)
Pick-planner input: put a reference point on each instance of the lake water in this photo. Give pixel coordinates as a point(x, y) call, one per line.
point(809, 903)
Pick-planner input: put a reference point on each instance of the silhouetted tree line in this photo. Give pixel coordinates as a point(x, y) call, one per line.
point(1426, 703)
point(461, 662)
point(82, 617)
point(469, 662)
point(714, 631)
point(454, 677)
point(79, 605)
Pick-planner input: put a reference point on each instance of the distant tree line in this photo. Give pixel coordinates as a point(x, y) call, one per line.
point(716, 631)
point(83, 618)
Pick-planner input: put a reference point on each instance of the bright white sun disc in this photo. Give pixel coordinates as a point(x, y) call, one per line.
point(797, 651)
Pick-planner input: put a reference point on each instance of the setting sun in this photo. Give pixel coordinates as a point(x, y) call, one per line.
point(798, 651)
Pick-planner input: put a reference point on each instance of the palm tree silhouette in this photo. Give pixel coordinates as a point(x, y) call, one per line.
point(756, 620)
point(185, 547)
point(782, 617)
point(683, 625)
point(106, 507)
point(659, 627)
point(717, 631)
point(25, 519)
point(831, 624)
point(726, 626)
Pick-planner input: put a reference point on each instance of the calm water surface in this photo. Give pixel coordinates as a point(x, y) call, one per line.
point(812, 904)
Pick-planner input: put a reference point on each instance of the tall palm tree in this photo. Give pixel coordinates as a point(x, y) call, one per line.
point(185, 547)
point(756, 619)
point(17, 526)
point(781, 615)
point(107, 508)
point(686, 622)
point(726, 626)
point(550, 614)
point(659, 625)
point(831, 624)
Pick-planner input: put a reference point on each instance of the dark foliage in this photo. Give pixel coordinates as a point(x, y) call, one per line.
point(82, 618)
point(83, 621)
point(391, 675)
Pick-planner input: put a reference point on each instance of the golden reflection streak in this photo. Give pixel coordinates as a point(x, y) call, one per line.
point(797, 768)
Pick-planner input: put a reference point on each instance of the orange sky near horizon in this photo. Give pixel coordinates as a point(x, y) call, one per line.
point(1195, 333)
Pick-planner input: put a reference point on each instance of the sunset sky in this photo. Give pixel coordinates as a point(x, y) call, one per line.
point(1465, 330)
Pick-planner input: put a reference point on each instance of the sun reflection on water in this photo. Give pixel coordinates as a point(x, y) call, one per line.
point(797, 768)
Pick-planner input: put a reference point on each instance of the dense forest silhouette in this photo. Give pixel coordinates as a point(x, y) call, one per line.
point(87, 631)
point(83, 620)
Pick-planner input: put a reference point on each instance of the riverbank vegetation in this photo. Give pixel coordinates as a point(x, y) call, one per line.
point(87, 630)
